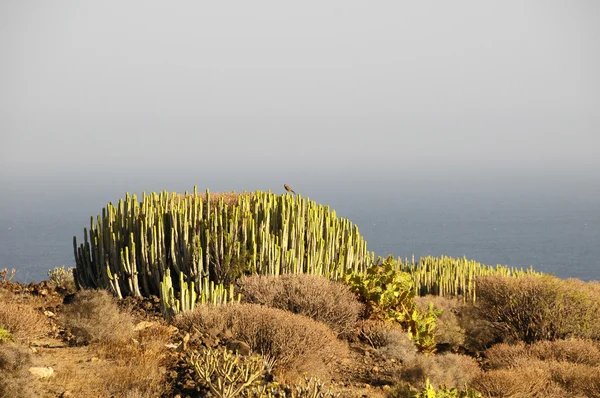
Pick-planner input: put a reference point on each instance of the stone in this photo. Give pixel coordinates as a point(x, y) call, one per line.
point(238, 346)
point(144, 325)
point(49, 314)
point(41, 371)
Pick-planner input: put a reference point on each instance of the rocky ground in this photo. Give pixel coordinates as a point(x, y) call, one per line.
point(63, 369)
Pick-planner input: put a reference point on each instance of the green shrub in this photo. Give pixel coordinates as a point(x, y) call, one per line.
point(313, 296)
point(5, 335)
point(534, 308)
point(388, 295)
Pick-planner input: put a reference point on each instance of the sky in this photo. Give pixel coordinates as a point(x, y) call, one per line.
point(133, 95)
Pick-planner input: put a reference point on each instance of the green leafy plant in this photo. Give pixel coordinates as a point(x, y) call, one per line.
point(388, 295)
point(5, 335)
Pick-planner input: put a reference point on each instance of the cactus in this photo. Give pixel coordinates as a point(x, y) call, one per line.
point(133, 244)
point(226, 374)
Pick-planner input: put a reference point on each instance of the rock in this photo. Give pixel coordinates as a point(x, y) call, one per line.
point(375, 369)
point(185, 341)
point(49, 314)
point(172, 329)
point(172, 346)
point(238, 346)
point(67, 394)
point(41, 371)
point(144, 325)
point(69, 298)
point(94, 359)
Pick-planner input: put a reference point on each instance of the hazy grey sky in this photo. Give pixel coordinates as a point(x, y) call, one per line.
point(236, 92)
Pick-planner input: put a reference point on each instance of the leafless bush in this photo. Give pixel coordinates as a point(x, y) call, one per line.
point(296, 342)
point(94, 317)
point(534, 308)
point(313, 296)
point(15, 379)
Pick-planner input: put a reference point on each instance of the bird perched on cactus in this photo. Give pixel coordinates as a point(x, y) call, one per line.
point(287, 188)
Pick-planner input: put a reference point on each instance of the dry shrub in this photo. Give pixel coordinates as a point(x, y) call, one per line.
point(450, 370)
point(573, 365)
point(138, 367)
point(505, 355)
point(313, 296)
point(533, 308)
point(575, 351)
point(94, 317)
point(390, 341)
point(22, 321)
point(577, 378)
point(296, 342)
point(15, 379)
point(479, 332)
point(448, 331)
point(529, 379)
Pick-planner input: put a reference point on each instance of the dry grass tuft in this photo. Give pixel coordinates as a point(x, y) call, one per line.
point(94, 317)
point(297, 343)
point(313, 296)
point(15, 379)
point(22, 321)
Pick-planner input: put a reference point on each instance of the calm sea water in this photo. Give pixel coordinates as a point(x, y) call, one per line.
point(558, 235)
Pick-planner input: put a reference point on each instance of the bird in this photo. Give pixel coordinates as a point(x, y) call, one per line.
point(287, 188)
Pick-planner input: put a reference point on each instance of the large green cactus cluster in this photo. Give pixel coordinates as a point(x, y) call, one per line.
point(448, 276)
point(212, 241)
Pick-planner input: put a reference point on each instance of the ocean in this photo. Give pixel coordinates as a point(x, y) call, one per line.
point(553, 232)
